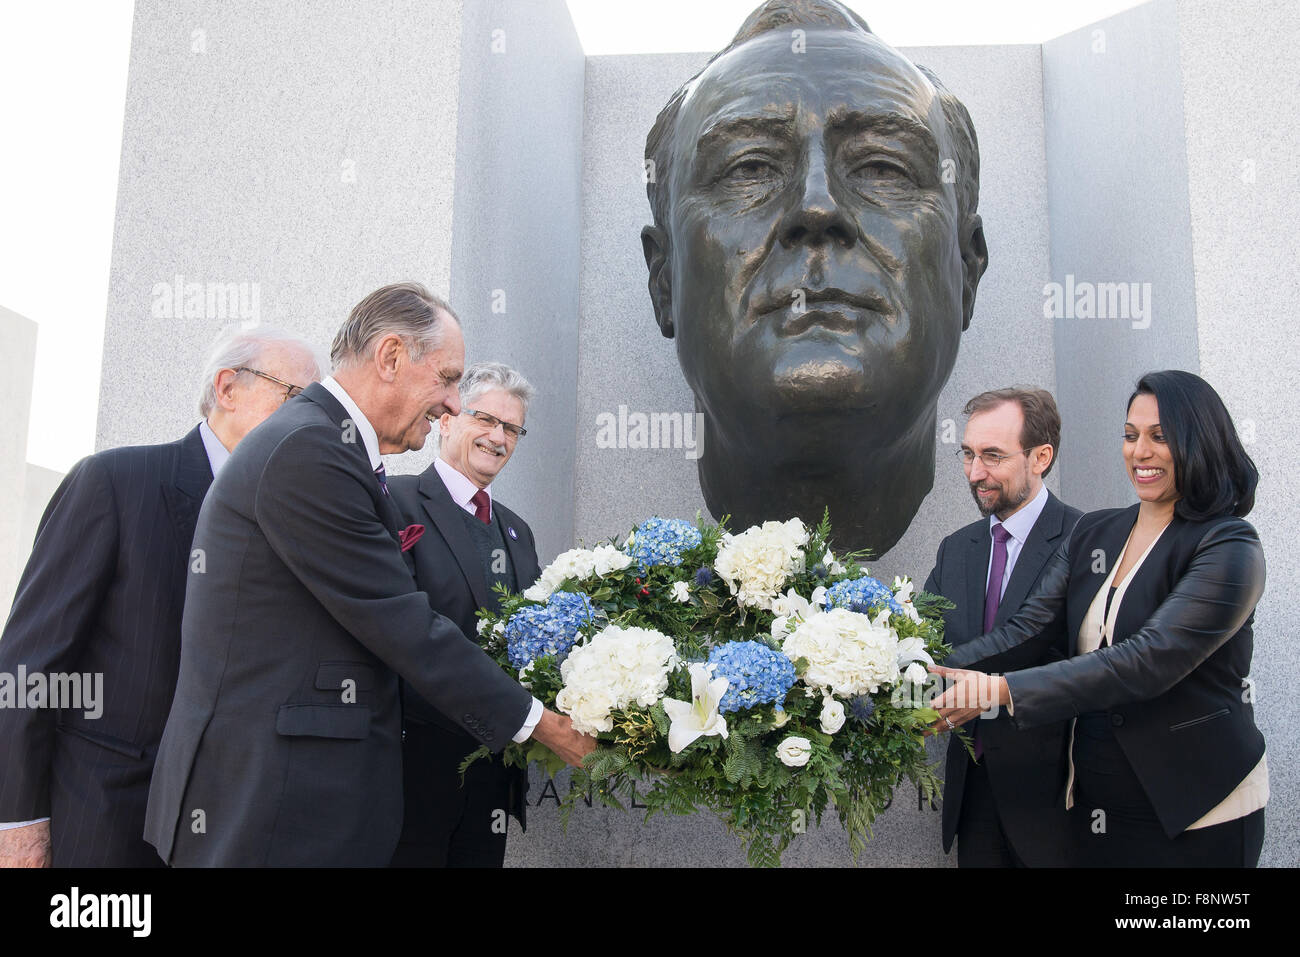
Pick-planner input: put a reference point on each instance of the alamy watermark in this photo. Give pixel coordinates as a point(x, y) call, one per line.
point(651, 430)
point(69, 692)
point(1098, 300)
point(179, 299)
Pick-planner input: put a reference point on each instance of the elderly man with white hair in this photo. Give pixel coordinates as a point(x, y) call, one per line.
point(100, 602)
point(473, 542)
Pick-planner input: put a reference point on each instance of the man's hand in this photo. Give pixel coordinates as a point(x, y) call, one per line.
point(556, 732)
point(972, 693)
point(26, 846)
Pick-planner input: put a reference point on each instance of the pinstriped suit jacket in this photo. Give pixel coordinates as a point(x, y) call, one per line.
point(102, 593)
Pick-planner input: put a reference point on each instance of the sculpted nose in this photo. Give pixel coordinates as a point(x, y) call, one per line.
point(816, 218)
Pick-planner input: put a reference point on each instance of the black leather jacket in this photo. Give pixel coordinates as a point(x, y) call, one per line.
point(1174, 679)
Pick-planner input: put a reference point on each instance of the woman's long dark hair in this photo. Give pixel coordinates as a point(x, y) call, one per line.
point(1212, 472)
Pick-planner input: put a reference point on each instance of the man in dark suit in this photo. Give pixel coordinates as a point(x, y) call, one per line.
point(472, 542)
point(1006, 803)
point(101, 596)
point(283, 742)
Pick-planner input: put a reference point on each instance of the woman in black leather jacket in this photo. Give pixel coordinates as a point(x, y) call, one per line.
point(1167, 767)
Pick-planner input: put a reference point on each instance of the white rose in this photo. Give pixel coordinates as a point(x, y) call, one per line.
point(916, 673)
point(681, 591)
point(537, 592)
point(794, 752)
point(832, 715)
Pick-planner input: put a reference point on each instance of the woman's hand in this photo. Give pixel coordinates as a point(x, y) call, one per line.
point(972, 693)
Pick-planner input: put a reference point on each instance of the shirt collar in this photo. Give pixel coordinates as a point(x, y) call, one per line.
point(368, 434)
point(1022, 522)
point(459, 487)
point(217, 453)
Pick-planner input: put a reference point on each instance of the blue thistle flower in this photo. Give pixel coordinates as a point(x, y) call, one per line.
point(862, 707)
point(704, 577)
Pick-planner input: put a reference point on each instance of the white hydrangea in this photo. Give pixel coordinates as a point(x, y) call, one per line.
point(756, 563)
point(848, 654)
point(576, 563)
point(617, 668)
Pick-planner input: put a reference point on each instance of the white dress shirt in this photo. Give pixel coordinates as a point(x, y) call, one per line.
point(460, 488)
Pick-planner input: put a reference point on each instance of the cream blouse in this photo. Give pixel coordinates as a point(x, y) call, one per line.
point(1097, 628)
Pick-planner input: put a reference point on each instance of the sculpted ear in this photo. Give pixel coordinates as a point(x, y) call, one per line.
point(654, 243)
point(975, 259)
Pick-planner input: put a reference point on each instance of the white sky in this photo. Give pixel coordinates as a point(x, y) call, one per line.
point(63, 68)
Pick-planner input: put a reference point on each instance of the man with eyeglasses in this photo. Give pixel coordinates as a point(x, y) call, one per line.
point(1005, 803)
point(102, 593)
point(472, 543)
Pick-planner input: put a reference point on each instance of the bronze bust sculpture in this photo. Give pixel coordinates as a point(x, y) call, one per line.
point(815, 253)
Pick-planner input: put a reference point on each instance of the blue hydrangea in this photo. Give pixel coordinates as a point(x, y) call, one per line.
point(662, 541)
point(864, 595)
point(755, 674)
point(548, 629)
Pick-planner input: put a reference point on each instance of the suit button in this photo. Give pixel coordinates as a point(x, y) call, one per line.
point(488, 736)
point(1117, 720)
point(468, 718)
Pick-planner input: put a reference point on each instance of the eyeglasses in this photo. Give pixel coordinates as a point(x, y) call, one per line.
point(991, 460)
point(290, 390)
point(491, 421)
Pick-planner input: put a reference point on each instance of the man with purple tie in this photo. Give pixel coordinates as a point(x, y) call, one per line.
point(1005, 801)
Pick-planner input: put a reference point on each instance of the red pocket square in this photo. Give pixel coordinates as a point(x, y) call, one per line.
point(410, 535)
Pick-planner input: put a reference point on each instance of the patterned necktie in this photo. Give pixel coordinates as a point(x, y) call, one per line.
point(482, 506)
point(999, 567)
point(380, 474)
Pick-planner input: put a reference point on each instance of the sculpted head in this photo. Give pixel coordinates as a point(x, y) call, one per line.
point(816, 250)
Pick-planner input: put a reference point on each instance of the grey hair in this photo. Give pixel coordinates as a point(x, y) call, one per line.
point(240, 348)
point(405, 309)
point(483, 377)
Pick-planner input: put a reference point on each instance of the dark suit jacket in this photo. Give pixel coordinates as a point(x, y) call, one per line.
point(1173, 680)
point(1026, 769)
point(282, 746)
point(447, 569)
point(102, 593)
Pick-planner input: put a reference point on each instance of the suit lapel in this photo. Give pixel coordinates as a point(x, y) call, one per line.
point(977, 570)
point(521, 558)
point(1038, 547)
point(350, 434)
point(183, 490)
point(446, 517)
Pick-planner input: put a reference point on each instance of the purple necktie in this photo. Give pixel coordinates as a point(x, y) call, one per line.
point(991, 599)
point(999, 567)
point(482, 506)
point(380, 474)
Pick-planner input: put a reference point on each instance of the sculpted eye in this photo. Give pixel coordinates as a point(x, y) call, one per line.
point(750, 170)
point(881, 170)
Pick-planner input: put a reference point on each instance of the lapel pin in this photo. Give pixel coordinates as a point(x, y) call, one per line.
point(513, 533)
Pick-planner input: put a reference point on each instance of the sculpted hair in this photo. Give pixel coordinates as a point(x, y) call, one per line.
point(778, 14)
point(243, 348)
point(405, 309)
point(1212, 472)
point(1042, 419)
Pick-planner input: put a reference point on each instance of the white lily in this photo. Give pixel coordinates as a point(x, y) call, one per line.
point(912, 649)
point(832, 566)
point(698, 717)
point(903, 589)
